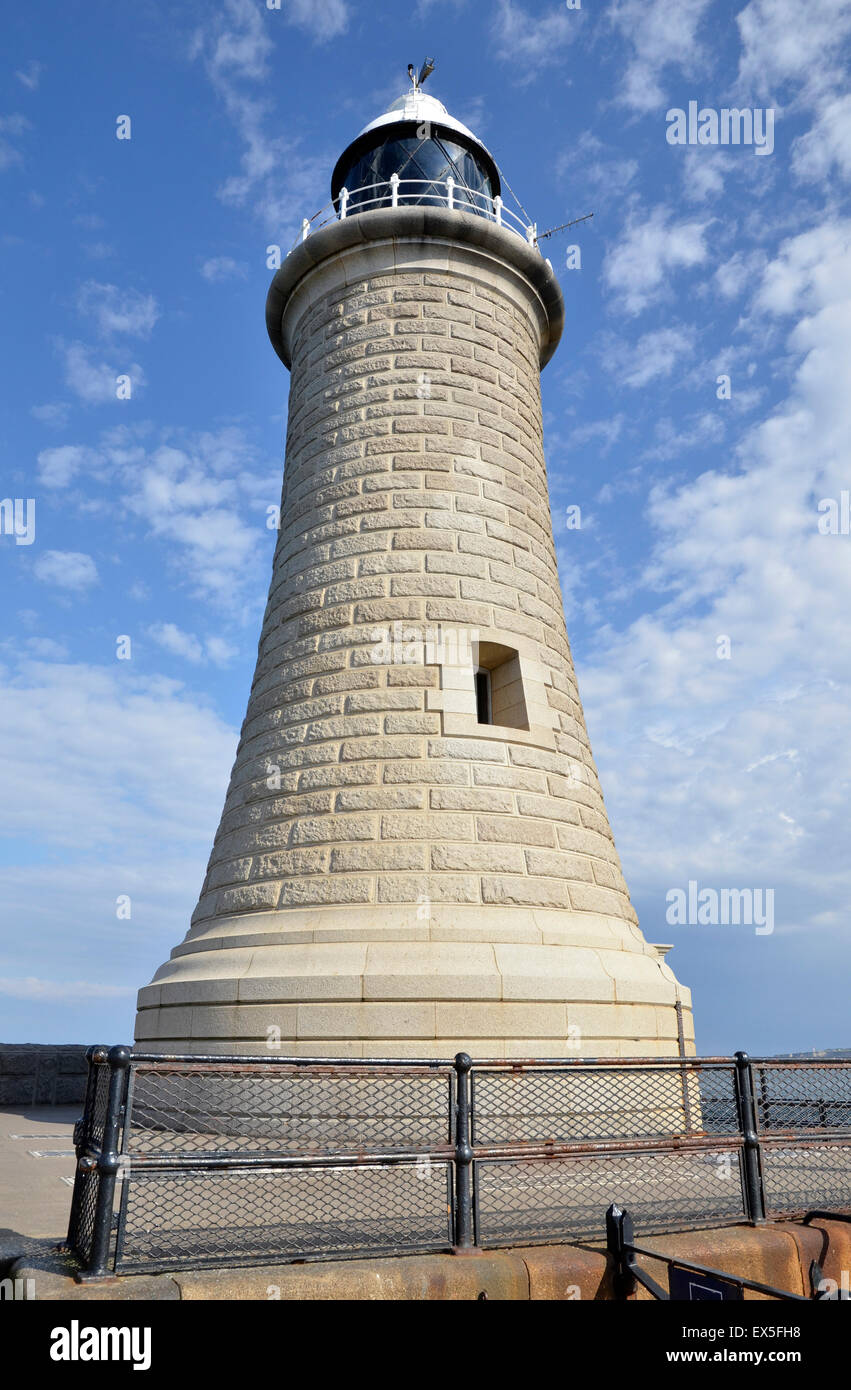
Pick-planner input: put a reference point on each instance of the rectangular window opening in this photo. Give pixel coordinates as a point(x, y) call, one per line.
point(484, 707)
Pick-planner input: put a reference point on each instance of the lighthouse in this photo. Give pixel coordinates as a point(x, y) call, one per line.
point(414, 856)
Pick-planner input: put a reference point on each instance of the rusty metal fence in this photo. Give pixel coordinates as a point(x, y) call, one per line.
point(188, 1161)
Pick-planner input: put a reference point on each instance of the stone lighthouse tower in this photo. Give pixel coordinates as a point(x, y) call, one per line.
point(414, 855)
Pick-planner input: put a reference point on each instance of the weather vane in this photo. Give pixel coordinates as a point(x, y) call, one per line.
point(427, 67)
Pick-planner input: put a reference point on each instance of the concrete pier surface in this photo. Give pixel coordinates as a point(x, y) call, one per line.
point(37, 1168)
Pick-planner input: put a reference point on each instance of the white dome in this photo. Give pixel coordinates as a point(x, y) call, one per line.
point(417, 106)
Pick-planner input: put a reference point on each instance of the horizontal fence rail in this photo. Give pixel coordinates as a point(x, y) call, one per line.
point(191, 1161)
point(437, 193)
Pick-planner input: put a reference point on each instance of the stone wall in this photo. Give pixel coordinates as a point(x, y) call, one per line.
point(42, 1074)
point(416, 495)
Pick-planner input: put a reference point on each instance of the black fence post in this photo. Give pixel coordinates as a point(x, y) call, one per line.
point(107, 1164)
point(746, 1108)
point(82, 1129)
point(619, 1236)
point(463, 1155)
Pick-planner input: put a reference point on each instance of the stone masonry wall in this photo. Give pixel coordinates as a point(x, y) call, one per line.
point(415, 493)
point(42, 1074)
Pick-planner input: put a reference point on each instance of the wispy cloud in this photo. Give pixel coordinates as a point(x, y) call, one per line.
point(322, 19)
point(59, 467)
point(30, 75)
point(95, 382)
point(276, 179)
point(655, 355)
point(219, 268)
point(660, 34)
point(781, 43)
point(118, 311)
point(66, 569)
point(654, 244)
point(12, 127)
point(203, 496)
point(531, 42)
point(60, 991)
point(191, 648)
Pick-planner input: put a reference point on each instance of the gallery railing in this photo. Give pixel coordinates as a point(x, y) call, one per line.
point(190, 1161)
point(397, 192)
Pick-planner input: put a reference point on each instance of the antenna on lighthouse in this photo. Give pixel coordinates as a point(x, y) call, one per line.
point(564, 225)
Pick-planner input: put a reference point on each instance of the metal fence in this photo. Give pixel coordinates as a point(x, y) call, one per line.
point(397, 192)
point(188, 1161)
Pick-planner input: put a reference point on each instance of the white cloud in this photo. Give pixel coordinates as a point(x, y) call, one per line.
point(118, 310)
point(179, 643)
point(739, 272)
point(189, 501)
point(672, 440)
point(322, 19)
point(59, 467)
point(185, 644)
point(203, 496)
point(654, 355)
point(46, 648)
point(687, 743)
point(703, 172)
point(222, 268)
point(608, 432)
point(236, 41)
point(220, 652)
point(661, 34)
point(96, 382)
point(596, 168)
point(98, 758)
point(13, 125)
point(115, 782)
point(531, 42)
point(785, 42)
point(808, 272)
point(275, 179)
point(637, 270)
point(60, 991)
point(66, 569)
point(826, 147)
point(30, 75)
point(54, 414)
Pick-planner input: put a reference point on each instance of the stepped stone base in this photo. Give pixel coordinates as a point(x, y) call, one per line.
point(521, 983)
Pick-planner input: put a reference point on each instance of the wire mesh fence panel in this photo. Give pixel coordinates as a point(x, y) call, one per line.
point(196, 1218)
point(542, 1200)
point(795, 1096)
point(244, 1160)
point(88, 1140)
point(277, 1110)
point(90, 1135)
point(85, 1202)
point(580, 1104)
point(801, 1177)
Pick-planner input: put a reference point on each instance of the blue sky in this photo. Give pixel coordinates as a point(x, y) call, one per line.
point(146, 258)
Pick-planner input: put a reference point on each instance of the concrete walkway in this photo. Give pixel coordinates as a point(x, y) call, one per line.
point(37, 1168)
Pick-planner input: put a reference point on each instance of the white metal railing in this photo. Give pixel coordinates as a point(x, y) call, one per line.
point(395, 192)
